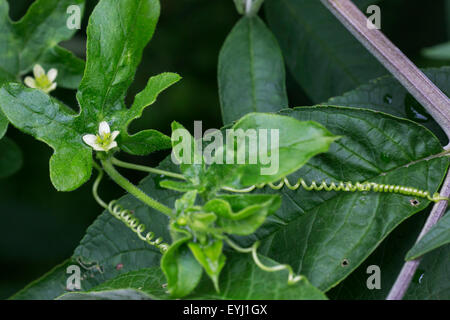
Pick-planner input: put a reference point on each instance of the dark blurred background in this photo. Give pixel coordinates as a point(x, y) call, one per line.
point(40, 227)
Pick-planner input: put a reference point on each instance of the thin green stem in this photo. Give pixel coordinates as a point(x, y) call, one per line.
point(95, 186)
point(137, 167)
point(132, 189)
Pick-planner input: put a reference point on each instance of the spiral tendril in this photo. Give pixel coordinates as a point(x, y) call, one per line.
point(132, 222)
point(127, 217)
point(345, 187)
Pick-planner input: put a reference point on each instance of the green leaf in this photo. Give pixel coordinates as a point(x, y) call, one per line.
point(182, 270)
point(324, 58)
point(3, 124)
point(118, 32)
point(50, 121)
point(147, 141)
point(109, 248)
point(290, 144)
point(10, 158)
point(143, 284)
point(438, 236)
point(251, 71)
point(147, 97)
point(42, 28)
point(211, 258)
point(239, 6)
point(46, 119)
point(389, 257)
point(432, 281)
point(70, 68)
point(186, 152)
point(9, 50)
point(241, 280)
point(387, 95)
point(315, 232)
point(438, 52)
point(242, 214)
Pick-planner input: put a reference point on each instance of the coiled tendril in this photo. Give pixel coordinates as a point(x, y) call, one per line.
point(292, 278)
point(127, 217)
point(346, 187)
point(132, 222)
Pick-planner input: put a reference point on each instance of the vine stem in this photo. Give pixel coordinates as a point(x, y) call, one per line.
point(425, 92)
point(137, 167)
point(414, 80)
point(132, 189)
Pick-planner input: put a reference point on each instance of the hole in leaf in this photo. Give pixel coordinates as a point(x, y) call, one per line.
point(414, 202)
point(345, 263)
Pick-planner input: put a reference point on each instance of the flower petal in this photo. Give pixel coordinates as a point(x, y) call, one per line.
point(103, 128)
point(30, 82)
point(52, 74)
point(114, 135)
point(111, 146)
point(90, 139)
point(52, 87)
point(98, 147)
point(38, 71)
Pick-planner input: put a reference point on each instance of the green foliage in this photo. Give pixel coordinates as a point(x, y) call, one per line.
point(298, 242)
point(438, 52)
point(251, 71)
point(244, 281)
point(34, 39)
point(293, 141)
point(439, 235)
point(181, 268)
point(29, 42)
point(432, 280)
point(314, 221)
point(48, 120)
point(298, 142)
point(324, 58)
point(387, 95)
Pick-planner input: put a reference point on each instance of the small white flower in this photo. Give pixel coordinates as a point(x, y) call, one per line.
point(104, 140)
point(42, 81)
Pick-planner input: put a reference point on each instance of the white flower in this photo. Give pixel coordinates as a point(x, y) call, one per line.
point(104, 140)
point(41, 80)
